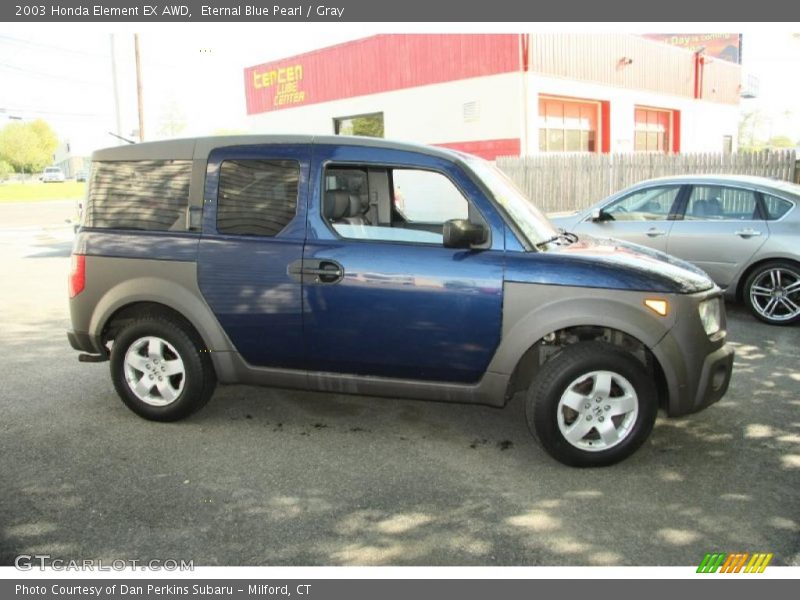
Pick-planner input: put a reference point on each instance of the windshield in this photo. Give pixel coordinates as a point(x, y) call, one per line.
point(529, 220)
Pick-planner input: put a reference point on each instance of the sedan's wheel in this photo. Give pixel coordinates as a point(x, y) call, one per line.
point(160, 369)
point(772, 293)
point(591, 405)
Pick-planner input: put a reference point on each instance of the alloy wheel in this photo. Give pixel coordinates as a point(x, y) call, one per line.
point(154, 371)
point(597, 410)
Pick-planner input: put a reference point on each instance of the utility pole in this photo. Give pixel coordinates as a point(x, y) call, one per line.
point(139, 85)
point(116, 86)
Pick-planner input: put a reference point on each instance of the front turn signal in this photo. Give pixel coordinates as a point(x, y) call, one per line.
point(658, 306)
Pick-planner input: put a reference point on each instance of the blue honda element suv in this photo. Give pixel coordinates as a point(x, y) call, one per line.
point(362, 266)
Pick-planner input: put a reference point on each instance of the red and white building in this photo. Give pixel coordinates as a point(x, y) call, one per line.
point(506, 94)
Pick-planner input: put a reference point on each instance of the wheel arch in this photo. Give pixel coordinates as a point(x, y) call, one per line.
point(547, 347)
point(156, 295)
point(745, 275)
point(536, 314)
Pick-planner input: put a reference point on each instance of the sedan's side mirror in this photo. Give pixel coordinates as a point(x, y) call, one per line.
point(462, 233)
point(599, 216)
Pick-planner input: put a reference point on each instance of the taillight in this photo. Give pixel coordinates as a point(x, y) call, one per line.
point(77, 275)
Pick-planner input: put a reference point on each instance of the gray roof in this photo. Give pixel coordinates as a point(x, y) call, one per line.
point(753, 181)
point(199, 148)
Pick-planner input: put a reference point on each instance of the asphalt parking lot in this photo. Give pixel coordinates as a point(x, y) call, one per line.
point(274, 477)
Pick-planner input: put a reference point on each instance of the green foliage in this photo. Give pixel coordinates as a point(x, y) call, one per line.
point(758, 147)
point(5, 170)
point(28, 147)
point(369, 126)
point(36, 191)
point(781, 141)
point(228, 131)
point(172, 121)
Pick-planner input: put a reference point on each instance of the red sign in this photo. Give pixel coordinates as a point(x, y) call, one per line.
point(727, 46)
point(377, 64)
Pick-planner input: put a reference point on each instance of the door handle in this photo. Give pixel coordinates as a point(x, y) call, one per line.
point(316, 271)
point(653, 232)
point(747, 233)
point(327, 272)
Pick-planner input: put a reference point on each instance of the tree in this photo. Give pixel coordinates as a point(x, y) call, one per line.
point(369, 126)
point(28, 147)
point(749, 125)
point(5, 170)
point(781, 141)
point(228, 131)
point(172, 121)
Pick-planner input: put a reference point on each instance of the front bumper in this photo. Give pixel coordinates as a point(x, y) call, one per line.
point(715, 377)
point(697, 367)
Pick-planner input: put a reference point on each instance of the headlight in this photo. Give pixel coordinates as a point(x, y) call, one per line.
point(710, 315)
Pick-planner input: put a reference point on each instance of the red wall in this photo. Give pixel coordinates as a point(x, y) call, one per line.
point(488, 149)
point(377, 64)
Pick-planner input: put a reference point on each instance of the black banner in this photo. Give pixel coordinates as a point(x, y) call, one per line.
point(397, 589)
point(441, 11)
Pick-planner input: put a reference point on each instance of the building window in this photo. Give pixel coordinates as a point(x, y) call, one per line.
point(568, 125)
point(257, 197)
point(370, 125)
point(472, 111)
point(652, 130)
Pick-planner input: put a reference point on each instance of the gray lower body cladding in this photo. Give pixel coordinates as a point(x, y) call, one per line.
point(696, 367)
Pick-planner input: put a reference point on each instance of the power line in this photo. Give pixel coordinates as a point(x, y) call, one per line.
point(18, 41)
point(5, 111)
point(13, 40)
point(42, 75)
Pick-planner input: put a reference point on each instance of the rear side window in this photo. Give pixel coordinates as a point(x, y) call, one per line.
point(257, 197)
point(720, 203)
point(151, 195)
point(776, 207)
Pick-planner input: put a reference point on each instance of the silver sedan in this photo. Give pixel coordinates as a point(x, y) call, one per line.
point(743, 231)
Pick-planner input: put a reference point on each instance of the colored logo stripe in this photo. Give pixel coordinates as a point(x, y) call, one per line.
point(733, 563)
point(711, 563)
point(758, 563)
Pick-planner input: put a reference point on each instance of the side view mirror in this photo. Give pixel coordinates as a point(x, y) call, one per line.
point(462, 233)
point(599, 216)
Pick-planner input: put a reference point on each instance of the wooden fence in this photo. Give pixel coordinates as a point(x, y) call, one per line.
point(565, 182)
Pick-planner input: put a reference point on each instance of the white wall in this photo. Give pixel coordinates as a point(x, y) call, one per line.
point(434, 113)
point(703, 124)
point(427, 114)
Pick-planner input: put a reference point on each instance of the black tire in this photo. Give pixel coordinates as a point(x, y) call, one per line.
point(192, 389)
point(561, 373)
point(782, 314)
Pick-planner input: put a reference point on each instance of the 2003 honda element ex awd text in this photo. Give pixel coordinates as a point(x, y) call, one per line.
point(361, 266)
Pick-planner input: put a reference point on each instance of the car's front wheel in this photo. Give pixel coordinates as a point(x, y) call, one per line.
point(592, 405)
point(772, 292)
point(160, 369)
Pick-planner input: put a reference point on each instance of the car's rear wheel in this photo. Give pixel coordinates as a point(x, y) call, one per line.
point(592, 405)
point(772, 292)
point(160, 369)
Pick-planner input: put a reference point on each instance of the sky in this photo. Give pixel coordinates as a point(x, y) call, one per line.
point(194, 72)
